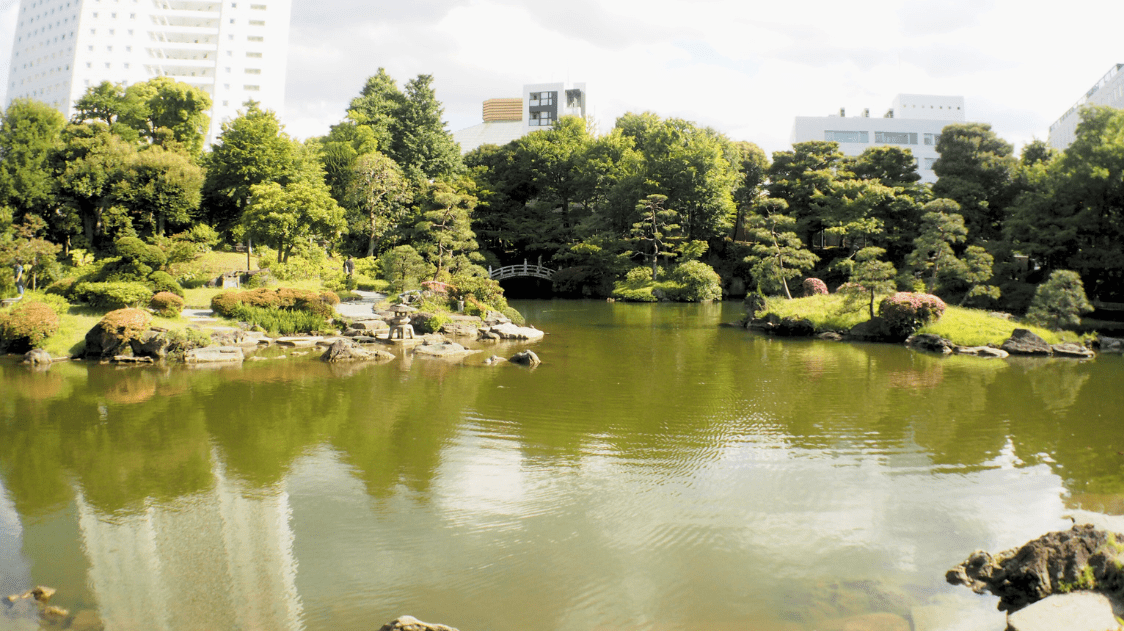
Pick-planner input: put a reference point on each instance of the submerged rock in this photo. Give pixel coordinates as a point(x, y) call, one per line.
point(1079, 611)
point(345, 350)
point(931, 343)
point(37, 357)
point(1110, 344)
point(213, 354)
point(1082, 558)
point(981, 351)
point(526, 358)
point(1069, 349)
point(410, 623)
point(1025, 342)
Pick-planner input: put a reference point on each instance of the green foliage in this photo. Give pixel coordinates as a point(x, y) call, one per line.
point(696, 282)
point(29, 133)
point(433, 323)
point(163, 282)
point(299, 212)
point(513, 315)
point(777, 253)
point(941, 229)
point(638, 275)
point(227, 304)
point(133, 249)
point(403, 268)
point(57, 303)
point(976, 169)
point(110, 295)
point(1059, 302)
point(870, 277)
point(826, 311)
point(485, 290)
point(278, 321)
point(166, 304)
point(974, 327)
point(27, 325)
point(61, 287)
point(443, 233)
point(376, 196)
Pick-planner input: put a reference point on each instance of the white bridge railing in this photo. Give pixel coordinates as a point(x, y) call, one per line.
point(512, 271)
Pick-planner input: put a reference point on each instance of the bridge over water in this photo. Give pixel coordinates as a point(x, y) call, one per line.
point(524, 270)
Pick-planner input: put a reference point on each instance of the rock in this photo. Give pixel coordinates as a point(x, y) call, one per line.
point(830, 336)
point(866, 622)
point(493, 360)
point(1069, 349)
point(1110, 344)
point(509, 331)
point(213, 354)
point(526, 358)
point(460, 329)
point(1001, 315)
point(302, 341)
point(37, 357)
point(786, 327)
point(244, 339)
point(132, 359)
point(981, 351)
point(930, 342)
point(494, 318)
point(410, 623)
point(344, 350)
point(43, 593)
point(370, 325)
point(874, 330)
point(1078, 611)
point(442, 349)
point(365, 339)
point(1057, 562)
point(1024, 342)
point(55, 614)
point(151, 344)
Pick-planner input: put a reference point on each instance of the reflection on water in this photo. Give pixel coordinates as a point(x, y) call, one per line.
point(656, 472)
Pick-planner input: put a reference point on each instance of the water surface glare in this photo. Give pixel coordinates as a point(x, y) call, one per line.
point(656, 472)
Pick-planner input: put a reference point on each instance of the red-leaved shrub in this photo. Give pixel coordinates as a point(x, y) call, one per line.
point(905, 312)
point(814, 286)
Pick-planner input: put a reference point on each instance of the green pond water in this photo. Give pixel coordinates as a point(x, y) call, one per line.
point(657, 471)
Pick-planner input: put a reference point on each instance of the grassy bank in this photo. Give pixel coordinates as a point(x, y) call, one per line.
point(965, 327)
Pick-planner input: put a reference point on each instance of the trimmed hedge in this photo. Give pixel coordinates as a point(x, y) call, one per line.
point(163, 281)
point(27, 326)
point(905, 312)
point(285, 299)
point(167, 304)
point(814, 287)
point(110, 295)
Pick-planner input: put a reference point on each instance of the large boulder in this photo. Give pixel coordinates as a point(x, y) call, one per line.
point(442, 349)
point(345, 350)
point(981, 351)
point(1082, 558)
point(509, 331)
point(410, 623)
point(1079, 611)
point(874, 330)
point(1025, 342)
point(369, 325)
point(1110, 344)
point(151, 343)
point(1069, 349)
point(113, 335)
point(526, 358)
point(930, 342)
point(461, 327)
point(37, 357)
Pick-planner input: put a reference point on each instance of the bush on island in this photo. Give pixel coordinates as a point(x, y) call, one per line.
point(698, 282)
point(166, 304)
point(905, 312)
point(1060, 301)
point(814, 287)
point(27, 326)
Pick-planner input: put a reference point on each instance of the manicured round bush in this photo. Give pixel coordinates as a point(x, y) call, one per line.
point(814, 287)
point(224, 303)
point(905, 312)
point(847, 288)
point(262, 297)
point(167, 304)
point(638, 274)
point(698, 282)
point(113, 294)
point(27, 326)
point(133, 249)
point(515, 317)
point(163, 282)
point(329, 298)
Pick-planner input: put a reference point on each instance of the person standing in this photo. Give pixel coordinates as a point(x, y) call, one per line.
point(349, 266)
point(19, 278)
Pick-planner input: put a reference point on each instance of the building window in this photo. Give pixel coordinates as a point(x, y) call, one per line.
point(255, 38)
point(541, 98)
point(846, 136)
point(251, 88)
point(932, 139)
point(259, 7)
point(253, 70)
point(257, 22)
point(541, 119)
point(895, 138)
point(928, 164)
point(253, 54)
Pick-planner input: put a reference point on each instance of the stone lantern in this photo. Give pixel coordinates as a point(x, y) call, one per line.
point(401, 327)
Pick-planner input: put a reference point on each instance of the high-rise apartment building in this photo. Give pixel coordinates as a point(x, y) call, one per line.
point(914, 122)
point(1108, 91)
point(235, 51)
point(506, 119)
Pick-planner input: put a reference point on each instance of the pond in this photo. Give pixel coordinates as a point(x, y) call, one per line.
point(657, 471)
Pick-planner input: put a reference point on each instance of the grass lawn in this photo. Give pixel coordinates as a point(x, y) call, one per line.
point(965, 327)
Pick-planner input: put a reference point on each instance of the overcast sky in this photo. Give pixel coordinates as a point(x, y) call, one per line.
point(744, 67)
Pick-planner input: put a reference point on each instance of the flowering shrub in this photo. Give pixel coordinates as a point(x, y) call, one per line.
point(814, 286)
point(167, 304)
point(847, 288)
point(27, 326)
point(905, 312)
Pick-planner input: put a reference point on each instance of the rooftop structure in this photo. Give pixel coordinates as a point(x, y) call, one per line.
point(233, 51)
point(1108, 91)
point(914, 122)
point(509, 119)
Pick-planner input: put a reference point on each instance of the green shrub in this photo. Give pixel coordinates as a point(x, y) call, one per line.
point(182, 340)
point(265, 298)
point(133, 249)
point(263, 278)
point(1059, 302)
point(484, 289)
point(905, 312)
point(698, 282)
point(113, 294)
point(638, 275)
point(61, 287)
point(329, 298)
point(278, 321)
point(127, 324)
point(634, 294)
point(166, 304)
point(369, 284)
point(433, 323)
point(514, 316)
point(224, 303)
point(163, 282)
point(27, 326)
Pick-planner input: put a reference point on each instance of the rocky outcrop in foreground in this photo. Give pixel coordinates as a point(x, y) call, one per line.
point(1083, 558)
point(410, 623)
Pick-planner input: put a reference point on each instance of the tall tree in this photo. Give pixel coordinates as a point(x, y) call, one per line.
point(443, 233)
point(284, 215)
point(159, 111)
point(941, 228)
point(253, 149)
point(656, 226)
point(29, 133)
point(976, 169)
point(378, 194)
point(160, 188)
point(377, 108)
point(778, 254)
point(87, 166)
point(421, 144)
point(801, 178)
point(752, 167)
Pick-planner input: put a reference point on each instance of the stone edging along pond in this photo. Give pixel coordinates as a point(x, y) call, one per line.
point(1022, 342)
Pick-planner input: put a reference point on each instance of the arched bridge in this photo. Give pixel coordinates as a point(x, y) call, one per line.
point(526, 269)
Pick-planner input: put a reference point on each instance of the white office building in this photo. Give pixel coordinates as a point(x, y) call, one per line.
point(913, 122)
point(1108, 91)
point(541, 105)
point(234, 51)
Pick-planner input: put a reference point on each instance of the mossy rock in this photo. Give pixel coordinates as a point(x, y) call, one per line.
point(114, 333)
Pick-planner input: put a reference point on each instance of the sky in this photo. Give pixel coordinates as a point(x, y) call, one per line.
point(743, 67)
